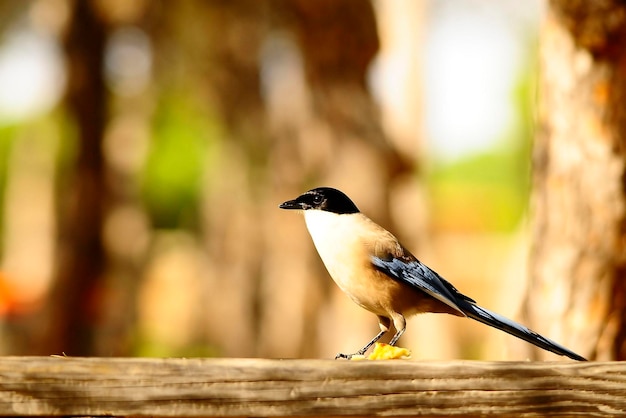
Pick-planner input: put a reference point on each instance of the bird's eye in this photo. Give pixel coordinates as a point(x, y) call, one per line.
point(317, 199)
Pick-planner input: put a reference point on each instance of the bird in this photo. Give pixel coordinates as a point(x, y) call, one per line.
point(379, 274)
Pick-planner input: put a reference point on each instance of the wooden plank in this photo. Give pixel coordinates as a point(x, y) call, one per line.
point(47, 386)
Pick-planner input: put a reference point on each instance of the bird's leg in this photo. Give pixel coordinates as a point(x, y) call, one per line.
point(396, 337)
point(362, 350)
point(384, 323)
point(400, 324)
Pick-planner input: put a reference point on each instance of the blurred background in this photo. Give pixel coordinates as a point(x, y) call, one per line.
point(145, 147)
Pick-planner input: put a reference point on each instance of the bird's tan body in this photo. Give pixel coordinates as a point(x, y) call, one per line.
point(346, 244)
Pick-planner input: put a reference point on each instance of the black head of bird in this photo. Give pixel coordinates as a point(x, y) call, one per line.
point(324, 199)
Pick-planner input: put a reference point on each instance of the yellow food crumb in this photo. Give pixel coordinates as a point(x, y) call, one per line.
point(383, 351)
point(388, 352)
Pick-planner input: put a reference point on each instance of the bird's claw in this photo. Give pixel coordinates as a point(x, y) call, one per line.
point(342, 356)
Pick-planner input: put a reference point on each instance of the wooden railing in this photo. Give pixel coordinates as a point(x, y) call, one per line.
point(64, 386)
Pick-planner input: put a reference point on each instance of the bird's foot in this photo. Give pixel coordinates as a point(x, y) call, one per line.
point(361, 352)
point(342, 356)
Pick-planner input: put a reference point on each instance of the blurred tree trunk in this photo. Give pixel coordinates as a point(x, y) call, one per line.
point(577, 290)
point(75, 299)
point(339, 40)
point(327, 131)
point(233, 198)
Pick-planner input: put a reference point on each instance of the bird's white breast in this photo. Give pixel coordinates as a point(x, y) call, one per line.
point(339, 242)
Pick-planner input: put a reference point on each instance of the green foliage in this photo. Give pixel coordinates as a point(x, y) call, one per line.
point(7, 133)
point(175, 166)
point(39, 138)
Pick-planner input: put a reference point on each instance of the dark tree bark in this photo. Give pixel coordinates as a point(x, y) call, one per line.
point(577, 290)
point(75, 300)
point(339, 41)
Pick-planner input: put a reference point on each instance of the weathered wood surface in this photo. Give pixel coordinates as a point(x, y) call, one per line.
point(50, 386)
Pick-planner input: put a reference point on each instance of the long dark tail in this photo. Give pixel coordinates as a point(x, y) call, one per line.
point(500, 322)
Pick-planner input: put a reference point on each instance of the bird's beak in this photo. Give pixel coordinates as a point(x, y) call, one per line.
point(292, 204)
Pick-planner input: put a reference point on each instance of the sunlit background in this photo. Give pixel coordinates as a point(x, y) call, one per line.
point(198, 260)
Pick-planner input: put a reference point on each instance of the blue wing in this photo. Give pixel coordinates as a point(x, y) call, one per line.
point(418, 275)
